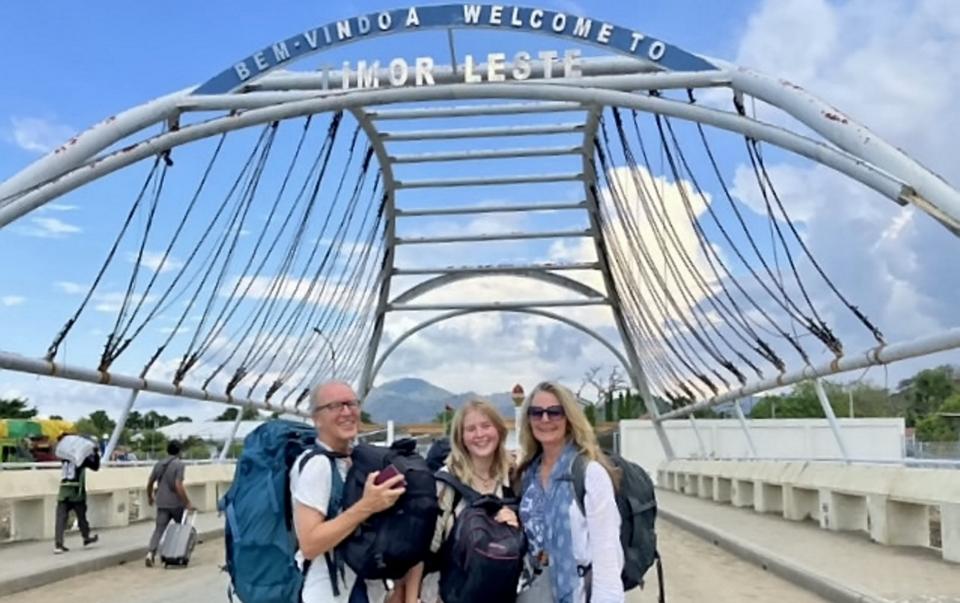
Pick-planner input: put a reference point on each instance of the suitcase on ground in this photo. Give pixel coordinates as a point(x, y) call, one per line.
point(178, 541)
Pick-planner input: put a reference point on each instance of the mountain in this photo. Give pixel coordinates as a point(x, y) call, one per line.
point(417, 401)
point(405, 401)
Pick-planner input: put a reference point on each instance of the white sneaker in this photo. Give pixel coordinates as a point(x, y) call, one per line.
point(149, 560)
point(60, 550)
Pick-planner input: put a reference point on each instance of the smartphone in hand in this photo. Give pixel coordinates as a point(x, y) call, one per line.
point(388, 472)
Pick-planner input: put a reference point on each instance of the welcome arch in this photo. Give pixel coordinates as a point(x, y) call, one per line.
point(688, 344)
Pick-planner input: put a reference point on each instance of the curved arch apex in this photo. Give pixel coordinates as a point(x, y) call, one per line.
point(575, 28)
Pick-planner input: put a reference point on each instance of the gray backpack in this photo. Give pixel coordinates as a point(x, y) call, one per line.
point(637, 503)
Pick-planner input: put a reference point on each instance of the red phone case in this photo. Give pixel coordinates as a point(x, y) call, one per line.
point(388, 472)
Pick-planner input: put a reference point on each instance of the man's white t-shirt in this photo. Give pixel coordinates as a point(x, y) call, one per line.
point(311, 487)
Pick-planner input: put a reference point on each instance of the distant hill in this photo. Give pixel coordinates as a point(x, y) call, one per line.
point(418, 401)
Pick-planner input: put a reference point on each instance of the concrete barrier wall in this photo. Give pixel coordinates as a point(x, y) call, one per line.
point(867, 439)
point(116, 496)
point(892, 505)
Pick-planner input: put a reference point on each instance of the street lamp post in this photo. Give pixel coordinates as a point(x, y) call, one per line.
point(333, 351)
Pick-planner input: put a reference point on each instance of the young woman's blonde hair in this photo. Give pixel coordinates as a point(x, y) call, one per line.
point(459, 463)
point(579, 431)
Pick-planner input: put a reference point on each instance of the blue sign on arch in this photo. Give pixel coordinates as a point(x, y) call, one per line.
point(492, 16)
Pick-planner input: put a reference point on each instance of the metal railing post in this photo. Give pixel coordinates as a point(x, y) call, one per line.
point(746, 429)
point(832, 419)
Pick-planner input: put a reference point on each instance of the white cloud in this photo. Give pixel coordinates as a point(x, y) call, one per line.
point(58, 207)
point(112, 301)
point(892, 262)
point(71, 288)
point(49, 228)
point(38, 135)
point(154, 260)
point(12, 300)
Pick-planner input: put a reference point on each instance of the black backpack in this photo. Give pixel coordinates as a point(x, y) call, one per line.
point(637, 503)
point(482, 558)
point(391, 542)
point(438, 453)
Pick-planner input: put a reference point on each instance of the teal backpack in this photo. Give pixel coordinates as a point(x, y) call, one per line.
point(258, 534)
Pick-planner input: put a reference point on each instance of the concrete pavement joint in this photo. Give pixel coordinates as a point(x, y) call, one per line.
point(767, 560)
point(83, 566)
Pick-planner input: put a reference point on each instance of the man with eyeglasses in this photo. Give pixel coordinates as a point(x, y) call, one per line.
point(335, 409)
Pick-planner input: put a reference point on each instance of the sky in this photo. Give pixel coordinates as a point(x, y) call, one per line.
point(890, 64)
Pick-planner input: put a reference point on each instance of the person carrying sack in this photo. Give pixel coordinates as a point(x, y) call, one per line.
point(475, 498)
point(72, 496)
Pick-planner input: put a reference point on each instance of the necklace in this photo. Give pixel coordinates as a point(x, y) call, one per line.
point(484, 482)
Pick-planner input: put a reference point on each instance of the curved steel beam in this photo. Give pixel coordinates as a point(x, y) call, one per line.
point(853, 137)
point(454, 314)
point(619, 74)
point(612, 38)
point(43, 367)
point(390, 237)
point(879, 180)
point(547, 277)
point(881, 354)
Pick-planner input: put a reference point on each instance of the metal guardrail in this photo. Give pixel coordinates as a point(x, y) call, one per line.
point(906, 461)
point(145, 463)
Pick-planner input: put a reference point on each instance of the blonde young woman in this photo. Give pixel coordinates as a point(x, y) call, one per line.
point(479, 459)
point(580, 549)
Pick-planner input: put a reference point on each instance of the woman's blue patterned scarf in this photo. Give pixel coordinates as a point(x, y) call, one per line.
point(545, 514)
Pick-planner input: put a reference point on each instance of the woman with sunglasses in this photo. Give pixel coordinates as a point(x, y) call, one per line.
point(479, 459)
point(577, 553)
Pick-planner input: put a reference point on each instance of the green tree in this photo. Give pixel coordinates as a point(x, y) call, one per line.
point(16, 408)
point(868, 401)
point(591, 411)
point(365, 417)
point(97, 424)
point(608, 407)
point(630, 405)
point(951, 405)
point(182, 419)
point(230, 414)
point(923, 393)
point(935, 428)
point(56, 418)
point(154, 420)
point(135, 420)
point(152, 443)
point(707, 413)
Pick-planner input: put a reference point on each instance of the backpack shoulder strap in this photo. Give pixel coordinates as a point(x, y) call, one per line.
point(463, 491)
point(333, 561)
point(579, 475)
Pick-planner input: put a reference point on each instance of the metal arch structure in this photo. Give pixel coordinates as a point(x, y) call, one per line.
point(257, 90)
point(531, 311)
point(558, 280)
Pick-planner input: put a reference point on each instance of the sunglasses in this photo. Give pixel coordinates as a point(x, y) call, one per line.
point(553, 413)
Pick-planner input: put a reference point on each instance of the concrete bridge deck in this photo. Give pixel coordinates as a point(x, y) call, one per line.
point(696, 569)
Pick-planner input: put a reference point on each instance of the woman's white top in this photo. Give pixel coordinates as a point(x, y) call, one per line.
point(596, 537)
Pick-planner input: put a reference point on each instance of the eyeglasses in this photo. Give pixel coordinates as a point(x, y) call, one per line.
point(351, 405)
point(552, 413)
